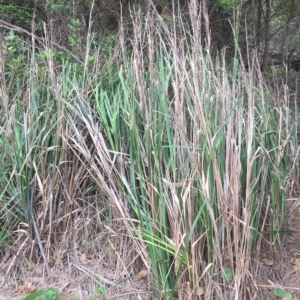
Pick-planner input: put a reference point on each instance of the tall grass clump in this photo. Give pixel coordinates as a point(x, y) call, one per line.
point(191, 155)
point(40, 183)
point(194, 156)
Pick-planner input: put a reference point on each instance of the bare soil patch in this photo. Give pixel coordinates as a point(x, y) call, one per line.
point(106, 269)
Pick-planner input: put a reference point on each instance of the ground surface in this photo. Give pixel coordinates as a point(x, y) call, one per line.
point(105, 267)
point(282, 267)
point(111, 267)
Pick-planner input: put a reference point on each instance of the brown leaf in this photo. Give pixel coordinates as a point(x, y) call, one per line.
point(142, 274)
point(59, 236)
point(25, 288)
point(20, 289)
point(30, 287)
point(296, 263)
point(53, 257)
point(268, 261)
point(82, 258)
point(200, 291)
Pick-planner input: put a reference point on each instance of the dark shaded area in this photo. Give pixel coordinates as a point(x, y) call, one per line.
point(292, 65)
point(295, 65)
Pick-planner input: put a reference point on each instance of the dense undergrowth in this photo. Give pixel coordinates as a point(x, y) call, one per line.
point(192, 157)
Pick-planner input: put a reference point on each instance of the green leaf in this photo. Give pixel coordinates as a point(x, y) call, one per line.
point(49, 294)
point(288, 296)
point(226, 274)
point(101, 290)
point(279, 292)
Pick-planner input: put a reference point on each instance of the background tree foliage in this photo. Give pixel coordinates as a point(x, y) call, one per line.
point(270, 26)
point(267, 27)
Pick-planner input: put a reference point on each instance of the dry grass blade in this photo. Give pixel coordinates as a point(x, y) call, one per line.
point(163, 166)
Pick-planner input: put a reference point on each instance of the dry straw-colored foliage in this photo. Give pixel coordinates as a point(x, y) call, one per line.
point(149, 182)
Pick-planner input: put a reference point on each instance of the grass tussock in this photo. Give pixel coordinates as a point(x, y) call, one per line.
point(156, 143)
